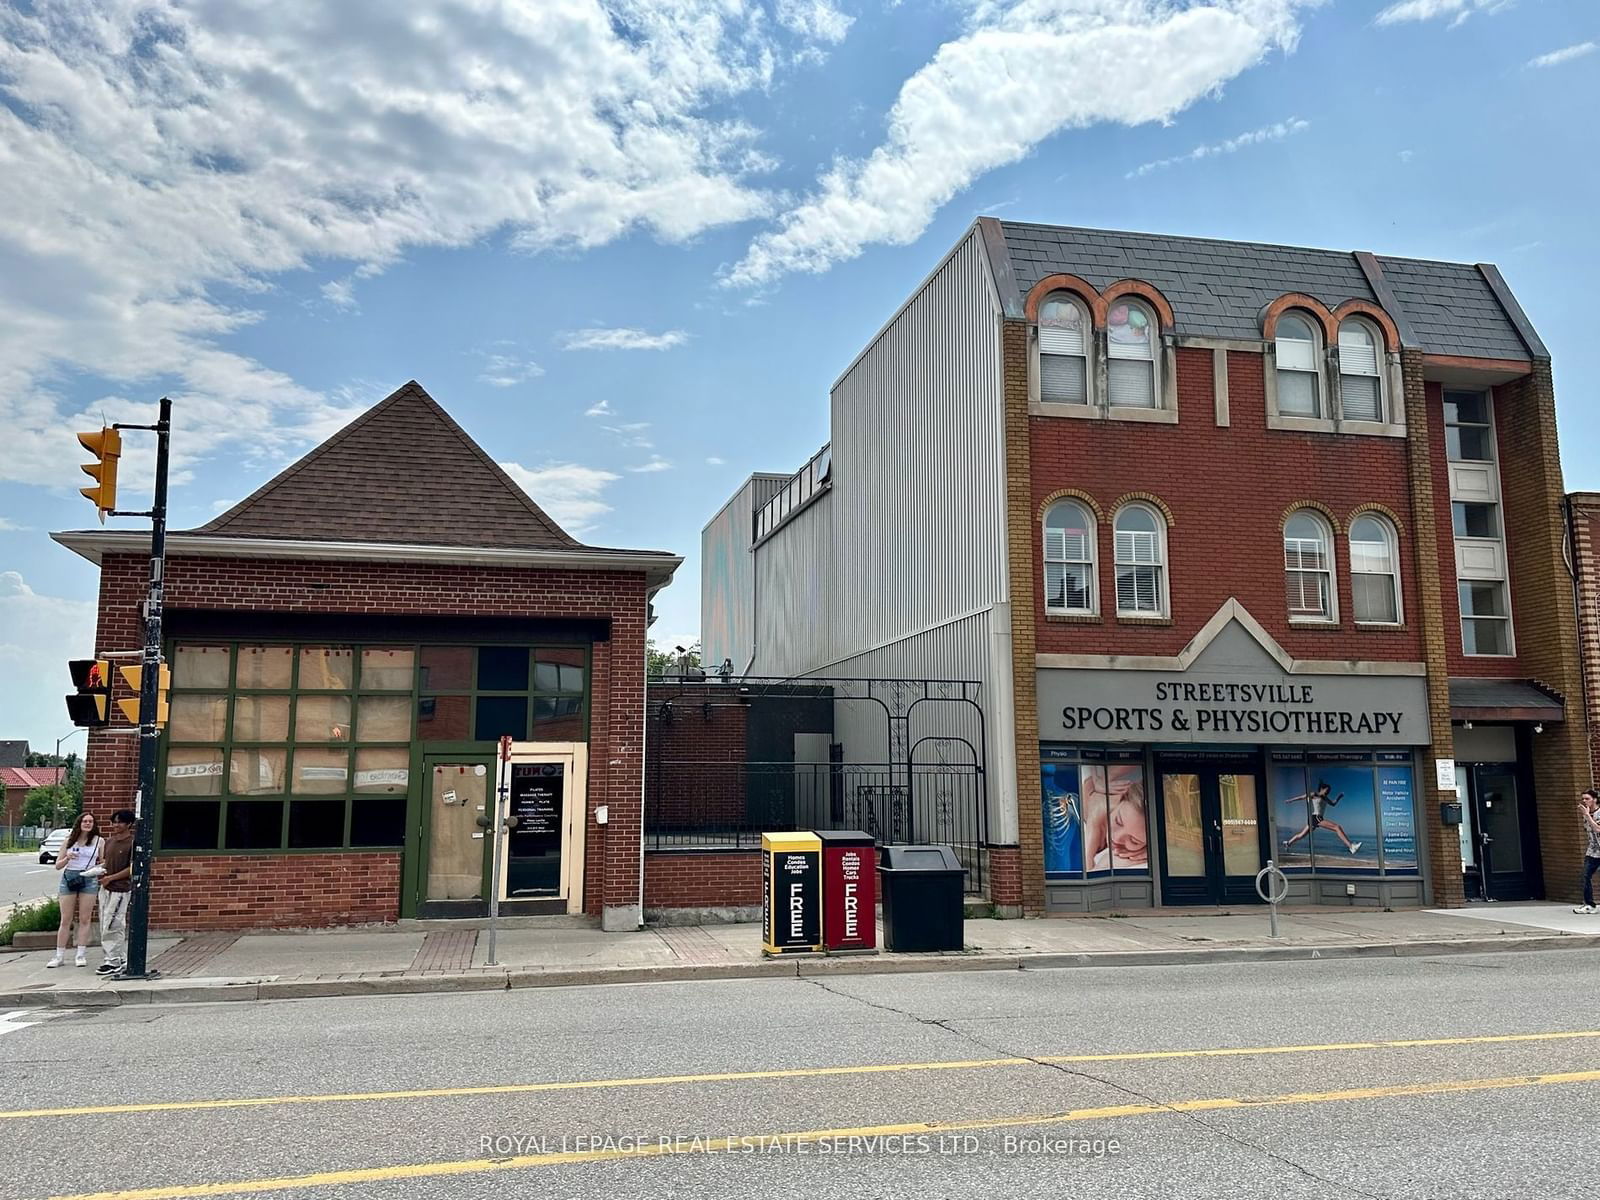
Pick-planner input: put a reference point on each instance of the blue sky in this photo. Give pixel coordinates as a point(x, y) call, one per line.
point(630, 245)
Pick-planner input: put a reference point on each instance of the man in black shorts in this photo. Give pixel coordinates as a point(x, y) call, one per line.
point(1318, 801)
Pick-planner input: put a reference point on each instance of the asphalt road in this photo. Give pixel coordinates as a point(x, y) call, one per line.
point(23, 877)
point(1082, 1083)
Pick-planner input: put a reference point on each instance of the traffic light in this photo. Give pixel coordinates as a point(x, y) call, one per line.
point(90, 706)
point(106, 446)
point(134, 676)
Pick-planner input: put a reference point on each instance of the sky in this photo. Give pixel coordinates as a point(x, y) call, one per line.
point(630, 244)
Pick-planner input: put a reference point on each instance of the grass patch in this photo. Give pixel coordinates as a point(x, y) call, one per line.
point(37, 917)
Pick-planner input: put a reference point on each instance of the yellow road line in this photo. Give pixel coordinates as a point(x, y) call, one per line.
point(579, 1085)
point(743, 1143)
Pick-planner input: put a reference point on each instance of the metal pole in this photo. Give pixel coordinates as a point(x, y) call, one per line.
point(149, 732)
point(502, 791)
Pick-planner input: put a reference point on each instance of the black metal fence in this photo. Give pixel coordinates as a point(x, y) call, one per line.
point(729, 805)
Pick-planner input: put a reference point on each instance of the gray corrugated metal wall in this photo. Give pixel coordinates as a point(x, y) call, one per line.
point(900, 570)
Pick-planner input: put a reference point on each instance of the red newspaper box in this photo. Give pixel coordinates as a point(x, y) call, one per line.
point(849, 890)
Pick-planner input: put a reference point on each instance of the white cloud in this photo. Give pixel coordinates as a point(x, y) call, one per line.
point(1267, 133)
point(38, 634)
point(508, 370)
point(1407, 155)
point(622, 339)
point(601, 408)
point(714, 461)
point(817, 19)
point(979, 104)
point(7, 525)
point(656, 463)
point(573, 495)
point(160, 159)
point(1427, 10)
point(1565, 54)
point(631, 435)
point(340, 293)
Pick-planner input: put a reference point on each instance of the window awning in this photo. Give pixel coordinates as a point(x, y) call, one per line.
point(1503, 700)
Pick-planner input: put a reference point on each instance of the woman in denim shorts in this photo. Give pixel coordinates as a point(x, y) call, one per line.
point(77, 891)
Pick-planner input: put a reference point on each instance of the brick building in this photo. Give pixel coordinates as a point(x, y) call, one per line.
point(17, 782)
point(1255, 552)
point(347, 645)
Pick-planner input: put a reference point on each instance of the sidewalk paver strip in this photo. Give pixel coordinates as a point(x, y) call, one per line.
point(446, 951)
point(692, 944)
point(189, 955)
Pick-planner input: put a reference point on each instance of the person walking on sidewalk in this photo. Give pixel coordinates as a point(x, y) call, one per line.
point(1589, 811)
point(115, 884)
point(77, 890)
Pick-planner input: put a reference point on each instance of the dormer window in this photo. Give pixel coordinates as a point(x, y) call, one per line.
point(1299, 393)
point(1131, 334)
point(1063, 350)
point(1360, 372)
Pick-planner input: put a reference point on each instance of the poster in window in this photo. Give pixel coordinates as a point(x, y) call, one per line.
point(1063, 819)
point(1338, 815)
point(1116, 832)
point(1398, 807)
point(1286, 782)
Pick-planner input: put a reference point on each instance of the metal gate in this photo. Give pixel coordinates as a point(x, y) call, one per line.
point(899, 759)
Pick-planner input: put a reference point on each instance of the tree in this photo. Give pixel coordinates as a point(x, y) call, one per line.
point(662, 661)
point(54, 804)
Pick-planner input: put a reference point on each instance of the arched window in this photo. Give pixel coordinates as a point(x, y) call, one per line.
point(1375, 570)
point(1308, 567)
point(1131, 337)
point(1141, 545)
point(1069, 543)
point(1063, 350)
point(1360, 372)
point(1298, 392)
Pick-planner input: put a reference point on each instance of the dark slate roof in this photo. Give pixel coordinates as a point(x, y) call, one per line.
point(1501, 694)
point(1452, 309)
point(402, 472)
point(1219, 289)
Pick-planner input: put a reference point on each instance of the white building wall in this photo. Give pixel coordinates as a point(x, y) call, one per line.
point(900, 570)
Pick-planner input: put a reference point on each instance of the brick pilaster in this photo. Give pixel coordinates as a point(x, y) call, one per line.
point(1021, 550)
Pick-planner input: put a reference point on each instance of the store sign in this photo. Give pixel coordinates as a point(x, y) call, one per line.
point(1234, 692)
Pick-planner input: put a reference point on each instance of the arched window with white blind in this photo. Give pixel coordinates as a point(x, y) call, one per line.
point(1063, 350)
point(1374, 570)
point(1360, 371)
point(1069, 545)
point(1308, 567)
point(1141, 551)
point(1299, 353)
point(1132, 335)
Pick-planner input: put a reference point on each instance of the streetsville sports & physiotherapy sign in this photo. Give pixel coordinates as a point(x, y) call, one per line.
point(1234, 693)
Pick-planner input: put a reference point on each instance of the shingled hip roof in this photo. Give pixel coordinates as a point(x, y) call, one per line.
point(402, 480)
point(402, 472)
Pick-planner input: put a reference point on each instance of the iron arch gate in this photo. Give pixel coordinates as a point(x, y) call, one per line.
point(900, 759)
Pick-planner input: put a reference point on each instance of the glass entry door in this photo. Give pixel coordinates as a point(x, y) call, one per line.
point(1212, 832)
point(1494, 839)
point(546, 806)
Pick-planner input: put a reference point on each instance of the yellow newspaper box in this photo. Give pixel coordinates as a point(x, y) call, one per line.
point(791, 894)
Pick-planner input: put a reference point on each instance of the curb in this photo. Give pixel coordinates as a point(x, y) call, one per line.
point(796, 968)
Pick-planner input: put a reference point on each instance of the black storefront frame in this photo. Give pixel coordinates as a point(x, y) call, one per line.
point(1217, 887)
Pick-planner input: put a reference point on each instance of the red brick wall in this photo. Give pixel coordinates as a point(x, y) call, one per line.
point(702, 879)
point(616, 717)
point(1586, 547)
point(1218, 547)
point(711, 792)
point(237, 891)
point(1005, 875)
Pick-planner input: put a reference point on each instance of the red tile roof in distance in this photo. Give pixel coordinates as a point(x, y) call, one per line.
point(30, 777)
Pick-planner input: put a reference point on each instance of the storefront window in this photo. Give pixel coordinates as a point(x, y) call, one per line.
point(1343, 813)
point(1095, 813)
point(289, 743)
point(530, 694)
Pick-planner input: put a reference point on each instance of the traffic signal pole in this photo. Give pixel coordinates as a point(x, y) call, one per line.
point(149, 687)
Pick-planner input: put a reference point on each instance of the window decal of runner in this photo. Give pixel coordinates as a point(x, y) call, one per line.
point(1326, 813)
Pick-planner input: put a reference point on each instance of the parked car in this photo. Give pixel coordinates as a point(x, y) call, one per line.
point(51, 846)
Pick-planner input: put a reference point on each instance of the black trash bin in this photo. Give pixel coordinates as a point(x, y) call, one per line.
point(922, 889)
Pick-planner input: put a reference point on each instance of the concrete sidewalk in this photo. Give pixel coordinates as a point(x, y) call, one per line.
point(543, 952)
